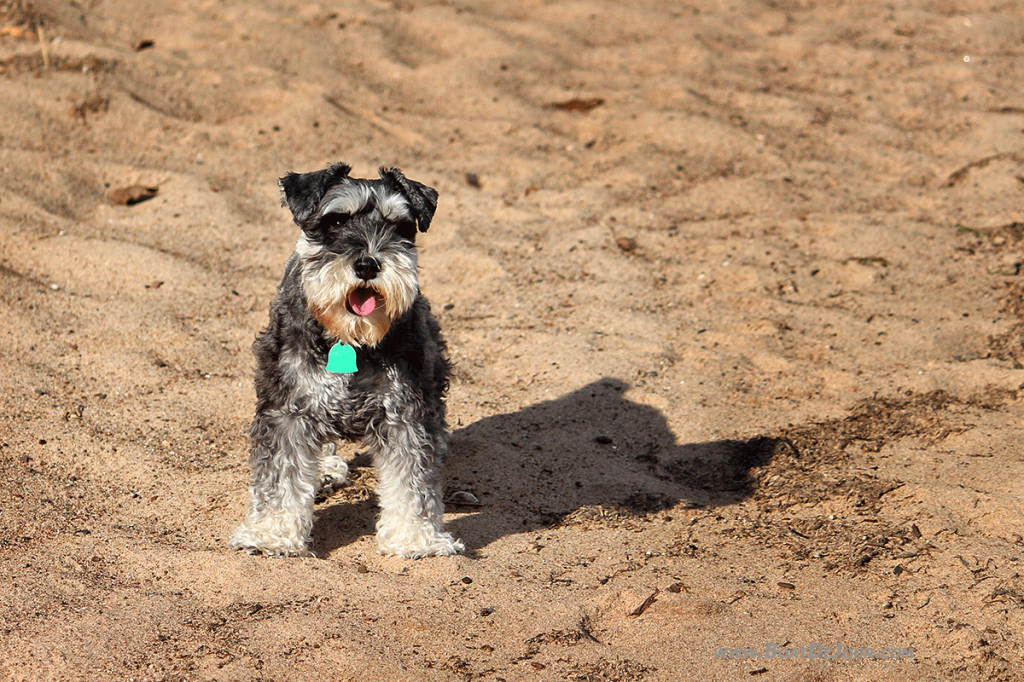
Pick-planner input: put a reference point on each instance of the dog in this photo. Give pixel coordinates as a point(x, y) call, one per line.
point(351, 352)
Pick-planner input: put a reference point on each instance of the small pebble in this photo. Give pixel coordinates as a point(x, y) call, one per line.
point(464, 497)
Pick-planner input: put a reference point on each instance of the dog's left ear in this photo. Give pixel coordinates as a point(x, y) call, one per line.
point(422, 199)
point(302, 192)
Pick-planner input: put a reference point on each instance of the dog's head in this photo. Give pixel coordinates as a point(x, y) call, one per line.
point(357, 250)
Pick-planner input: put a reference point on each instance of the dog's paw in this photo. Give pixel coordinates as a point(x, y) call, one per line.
point(256, 540)
point(422, 542)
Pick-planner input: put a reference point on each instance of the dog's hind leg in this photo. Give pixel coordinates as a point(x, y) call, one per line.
point(285, 463)
point(333, 470)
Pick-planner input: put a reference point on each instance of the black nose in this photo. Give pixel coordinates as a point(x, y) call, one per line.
point(366, 268)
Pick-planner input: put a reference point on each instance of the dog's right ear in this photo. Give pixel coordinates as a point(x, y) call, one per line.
point(302, 192)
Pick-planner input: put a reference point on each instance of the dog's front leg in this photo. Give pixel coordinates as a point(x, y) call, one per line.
point(408, 463)
point(285, 472)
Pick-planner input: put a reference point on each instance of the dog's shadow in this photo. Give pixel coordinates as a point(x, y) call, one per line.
point(591, 451)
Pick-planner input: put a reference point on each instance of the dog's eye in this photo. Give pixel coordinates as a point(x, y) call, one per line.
point(334, 220)
point(406, 229)
point(330, 223)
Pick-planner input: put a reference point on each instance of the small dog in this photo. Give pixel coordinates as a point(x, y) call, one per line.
point(352, 352)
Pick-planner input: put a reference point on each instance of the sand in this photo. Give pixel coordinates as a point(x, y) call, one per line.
point(734, 293)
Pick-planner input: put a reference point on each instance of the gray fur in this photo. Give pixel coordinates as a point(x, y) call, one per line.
point(394, 404)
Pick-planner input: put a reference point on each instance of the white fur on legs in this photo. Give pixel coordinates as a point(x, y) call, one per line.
point(413, 538)
point(283, 532)
point(285, 464)
point(410, 522)
point(410, 495)
point(333, 470)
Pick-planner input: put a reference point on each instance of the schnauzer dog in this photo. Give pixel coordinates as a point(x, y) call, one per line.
point(352, 352)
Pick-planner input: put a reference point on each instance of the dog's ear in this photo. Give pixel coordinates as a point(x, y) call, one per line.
point(422, 199)
point(302, 192)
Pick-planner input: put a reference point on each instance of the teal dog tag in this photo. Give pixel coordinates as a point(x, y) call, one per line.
point(342, 359)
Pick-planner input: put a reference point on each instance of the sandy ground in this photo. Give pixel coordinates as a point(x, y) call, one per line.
point(734, 291)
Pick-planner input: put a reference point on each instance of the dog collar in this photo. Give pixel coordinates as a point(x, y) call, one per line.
point(342, 359)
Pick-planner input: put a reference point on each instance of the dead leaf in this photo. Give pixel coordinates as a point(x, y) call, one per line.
point(579, 106)
point(133, 194)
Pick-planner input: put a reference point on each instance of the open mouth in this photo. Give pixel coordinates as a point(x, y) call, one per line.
point(363, 301)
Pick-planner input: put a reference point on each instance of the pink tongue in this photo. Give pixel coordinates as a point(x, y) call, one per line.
point(362, 302)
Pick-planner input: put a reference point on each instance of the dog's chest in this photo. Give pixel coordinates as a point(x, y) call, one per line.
point(347, 401)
